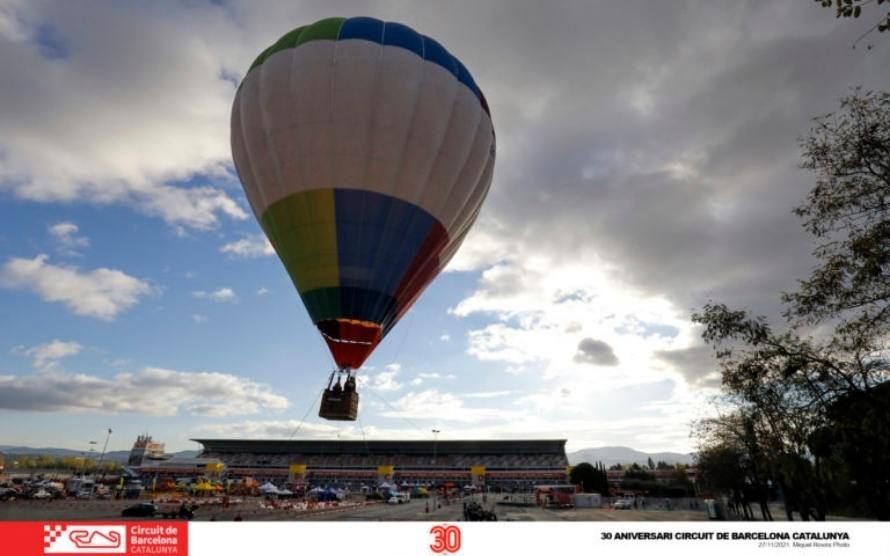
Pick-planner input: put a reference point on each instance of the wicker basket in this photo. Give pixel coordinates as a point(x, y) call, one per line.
point(339, 406)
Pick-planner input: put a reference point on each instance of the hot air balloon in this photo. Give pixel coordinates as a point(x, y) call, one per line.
point(365, 150)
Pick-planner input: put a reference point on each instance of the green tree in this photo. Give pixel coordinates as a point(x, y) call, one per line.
point(853, 9)
point(803, 398)
point(590, 478)
point(650, 463)
point(848, 212)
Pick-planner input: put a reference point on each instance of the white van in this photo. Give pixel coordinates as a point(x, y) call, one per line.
point(399, 498)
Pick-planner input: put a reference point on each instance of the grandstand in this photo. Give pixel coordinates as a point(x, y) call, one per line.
point(509, 464)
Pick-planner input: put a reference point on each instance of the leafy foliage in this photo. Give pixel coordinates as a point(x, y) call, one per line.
point(853, 9)
point(591, 479)
point(807, 411)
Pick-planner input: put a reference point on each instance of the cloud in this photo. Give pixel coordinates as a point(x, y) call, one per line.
point(649, 166)
point(199, 319)
point(635, 185)
point(280, 429)
point(221, 295)
point(249, 247)
point(445, 337)
point(443, 406)
point(437, 376)
point(262, 291)
point(386, 381)
point(697, 364)
point(68, 243)
point(595, 352)
point(486, 395)
point(643, 422)
point(421, 377)
point(136, 117)
point(151, 391)
point(102, 293)
point(46, 356)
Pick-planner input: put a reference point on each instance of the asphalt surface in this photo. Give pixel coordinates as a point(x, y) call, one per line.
point(432, 509)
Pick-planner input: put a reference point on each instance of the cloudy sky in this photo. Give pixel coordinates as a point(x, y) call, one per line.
point(647, 163)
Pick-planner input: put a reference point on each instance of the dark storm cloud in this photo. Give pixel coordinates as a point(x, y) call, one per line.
point(697, 364)
point(595, 352)
point(663, 138)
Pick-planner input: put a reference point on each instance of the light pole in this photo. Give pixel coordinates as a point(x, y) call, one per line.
point(105, 447)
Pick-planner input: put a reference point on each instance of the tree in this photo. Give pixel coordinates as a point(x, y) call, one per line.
point(848, 211)
point(734, 455)
point(853, 9)
point(651, 463)
point(590, 478)
point(804, 402)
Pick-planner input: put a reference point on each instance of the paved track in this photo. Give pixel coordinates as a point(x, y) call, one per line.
point(432, 509)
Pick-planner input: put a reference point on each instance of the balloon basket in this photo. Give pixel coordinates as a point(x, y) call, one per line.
point(339, 406)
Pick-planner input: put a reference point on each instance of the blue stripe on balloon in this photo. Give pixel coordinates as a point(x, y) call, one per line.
point(465, 77)
point(367, 28)
point(436, 53)
point(396, 34)
point(377, 232)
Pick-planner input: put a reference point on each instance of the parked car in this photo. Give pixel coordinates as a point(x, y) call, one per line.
point(145, 509)
point(41, 494)
point(8, 494)
point(622, 504)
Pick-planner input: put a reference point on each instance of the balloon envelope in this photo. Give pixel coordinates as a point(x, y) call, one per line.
point(365, 150)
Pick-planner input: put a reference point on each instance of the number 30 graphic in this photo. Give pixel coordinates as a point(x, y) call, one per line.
point(446, 537)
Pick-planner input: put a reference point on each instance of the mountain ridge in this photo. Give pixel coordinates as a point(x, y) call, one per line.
point(114, 455)
point(610, 455)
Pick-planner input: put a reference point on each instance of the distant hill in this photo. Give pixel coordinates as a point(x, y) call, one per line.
point(118, 455)
point(610, 455)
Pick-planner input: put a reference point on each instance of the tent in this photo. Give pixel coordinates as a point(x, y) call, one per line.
point(269, 488)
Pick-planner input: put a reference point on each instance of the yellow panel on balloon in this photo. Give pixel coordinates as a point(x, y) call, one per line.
point(297, 468)
point(477, 470)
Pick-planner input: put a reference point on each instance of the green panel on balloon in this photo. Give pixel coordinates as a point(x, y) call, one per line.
point(322, 303)
point(302, 227)
point(287, 41)
point(325, 29)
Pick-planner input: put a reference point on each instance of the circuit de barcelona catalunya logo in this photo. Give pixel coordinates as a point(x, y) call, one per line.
point(84, 539)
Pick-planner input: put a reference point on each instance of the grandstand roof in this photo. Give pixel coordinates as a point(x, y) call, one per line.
point(373, 447)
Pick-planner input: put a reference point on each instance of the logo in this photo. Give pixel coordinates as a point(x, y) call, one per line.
point(446, 538)
point(84, 539)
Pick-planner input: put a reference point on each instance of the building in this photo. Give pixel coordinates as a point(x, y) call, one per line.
point(508, 464)
point(145, 450)
point(148, 458)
